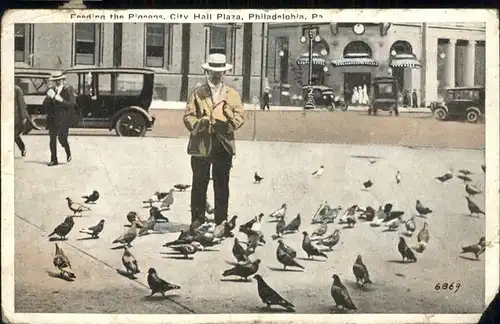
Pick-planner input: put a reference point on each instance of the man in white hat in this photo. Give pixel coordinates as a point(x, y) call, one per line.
point(214, 111)
point(60, 105)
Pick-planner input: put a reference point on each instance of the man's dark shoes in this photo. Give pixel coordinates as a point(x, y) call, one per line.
point(53, 163)
point(23, 153)
point(68, 158)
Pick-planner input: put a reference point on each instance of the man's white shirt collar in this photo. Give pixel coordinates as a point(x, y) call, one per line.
point(215, 89)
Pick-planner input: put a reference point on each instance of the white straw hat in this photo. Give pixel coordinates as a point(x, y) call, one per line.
point(216, 62)
point(57, 76)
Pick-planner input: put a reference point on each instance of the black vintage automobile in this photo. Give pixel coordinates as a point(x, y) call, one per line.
point(112, 98)
point(325, 97)
point(384, 95)
point(462, 103)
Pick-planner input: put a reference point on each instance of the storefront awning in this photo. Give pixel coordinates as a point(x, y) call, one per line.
point(351, 61)
point(405, 60)
point(316, 59)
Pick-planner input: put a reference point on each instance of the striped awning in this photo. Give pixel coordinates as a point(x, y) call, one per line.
point(405, 60)
point(351, 61)
point(316, 59)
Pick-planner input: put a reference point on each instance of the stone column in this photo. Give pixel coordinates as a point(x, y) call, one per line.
point(450, 63)
point(470, 63)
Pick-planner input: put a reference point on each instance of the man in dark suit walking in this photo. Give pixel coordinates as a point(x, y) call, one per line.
point(61, 113)
point(20, 118)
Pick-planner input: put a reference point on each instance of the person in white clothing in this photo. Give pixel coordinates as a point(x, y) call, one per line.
point(355, 96)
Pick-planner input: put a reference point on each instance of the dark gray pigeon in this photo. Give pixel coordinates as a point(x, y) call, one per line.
point(64, 228)
point(310, 249)
point(92, 198)
point(94, 231)
point(158, 285)
point(270, 297)
point(243, 270)
point(293, 226)
point(340, 294)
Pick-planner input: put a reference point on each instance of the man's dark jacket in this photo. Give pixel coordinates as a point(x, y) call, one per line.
point(61, 114)
point(20, 111)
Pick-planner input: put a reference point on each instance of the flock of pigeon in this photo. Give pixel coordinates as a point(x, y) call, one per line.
point(194, 240)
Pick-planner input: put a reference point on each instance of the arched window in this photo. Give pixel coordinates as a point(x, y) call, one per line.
point(401, 47)
point(357, 48)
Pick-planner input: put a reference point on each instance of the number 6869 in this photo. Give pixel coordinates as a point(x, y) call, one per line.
point(448, 286)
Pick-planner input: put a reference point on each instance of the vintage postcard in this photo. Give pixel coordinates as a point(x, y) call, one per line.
point(216, 166)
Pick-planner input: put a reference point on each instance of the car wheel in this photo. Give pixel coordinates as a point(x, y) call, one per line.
point(440, 113)
point(131, 124)
point(472, 116)
point(369, 111)
point(343, 105)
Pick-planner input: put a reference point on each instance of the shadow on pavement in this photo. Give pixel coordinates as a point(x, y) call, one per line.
point(285, 270)
point(398, 261)
point(87, 238)
point(468, 258)
point(125, 274)
point(306, 259)
point(60, 276)
point(236, 280)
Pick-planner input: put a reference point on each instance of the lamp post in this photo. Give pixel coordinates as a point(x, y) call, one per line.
point(312, 35)
point(281, 54)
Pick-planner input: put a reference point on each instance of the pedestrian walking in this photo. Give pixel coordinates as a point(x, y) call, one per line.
point(213, 113)
point(414, 99)
point(61, 114)
point(20, 118)
point(265, 99)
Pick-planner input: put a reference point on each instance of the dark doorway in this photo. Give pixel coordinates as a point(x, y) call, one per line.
point(399, 74)
point(355, 79)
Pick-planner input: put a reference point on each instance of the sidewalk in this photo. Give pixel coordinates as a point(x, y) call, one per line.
point(180, 105)
point(127, 171)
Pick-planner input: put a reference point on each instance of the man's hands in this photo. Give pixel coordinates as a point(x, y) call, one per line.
point(204, 123)
point(228, 112)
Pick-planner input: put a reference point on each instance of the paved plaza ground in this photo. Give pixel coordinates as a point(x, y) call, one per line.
point(128, 170)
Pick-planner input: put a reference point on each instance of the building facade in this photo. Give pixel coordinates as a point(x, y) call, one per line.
point(424, 57)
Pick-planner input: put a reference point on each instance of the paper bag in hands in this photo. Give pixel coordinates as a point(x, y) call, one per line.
point(58, 98)
point(51, 93)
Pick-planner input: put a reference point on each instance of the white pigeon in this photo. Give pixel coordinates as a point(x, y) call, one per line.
point(394, 224)
point(257, 225)
point(319, 172)
point(378, 217)
point(279, 213)
point(410, 225)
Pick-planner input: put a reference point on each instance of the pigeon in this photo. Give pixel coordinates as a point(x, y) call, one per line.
point(361, 272)
point(130, 263)
point(94, 231)
point(473, 207)
point(132, 217)
point(220, 230)
point(257, 178)
point(464, 171)
point(477, 249)
point(379, 217)
point(269, 296)
point(289, 250)
point(423, 238)
point(147, 226)
point(367, 184)
point(250, 223)
point(464, 178)
point(185, 237)
point(64, 228)
point(410, 225)
point(294, 225)
point(445, 177)
point(472, 190)
point(309, 248)
point(188, 249)
point(244, 270)
point(421, 209)
point(388, 208)
point(156, 213)
point(160, 195)
point(128, 236)
point(182, 187)
point(394, 224)
point(284, 257)
point(483, 167)
point(321, 230)
point(349, 212)
point(239, 252)
point(158, 285)
point(92, 198)
point(229, 226)
point(398, 177)
point(168, 201)
point(319, 172)
point(257, 225)
point(340, 294)
point(405, 250)
point(280, 227)
point(75, 207)
point(331, 240)
point(279, 213)
point(368, 214)
point(325, 213)
point(351, 219)
point(62, 263)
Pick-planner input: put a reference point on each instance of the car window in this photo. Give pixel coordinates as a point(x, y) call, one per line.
point(129, 84)
point(33, 86)
point(104, 84)
point(385, 89)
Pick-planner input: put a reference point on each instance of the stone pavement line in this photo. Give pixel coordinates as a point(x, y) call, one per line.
point(103, 262)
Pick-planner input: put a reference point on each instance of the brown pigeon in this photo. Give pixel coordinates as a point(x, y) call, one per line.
point(270, 297)
point(62, 263)
point(331, 240)
point(76, 208)
point(130, 263)
point(128, 236)
point(340, 294)
point(361, 272)
point(157, 284)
